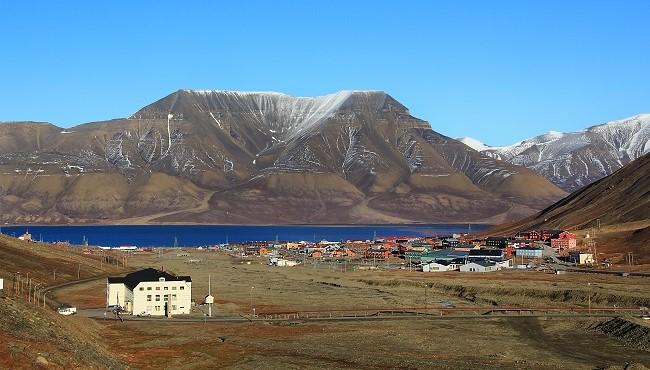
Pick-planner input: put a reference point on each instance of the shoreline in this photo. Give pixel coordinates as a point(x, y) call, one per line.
point(245, 225)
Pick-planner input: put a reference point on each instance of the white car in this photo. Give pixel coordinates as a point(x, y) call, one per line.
point(144, 314)
point(66, 311)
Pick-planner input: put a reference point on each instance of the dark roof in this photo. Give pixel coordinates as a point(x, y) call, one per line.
point(486, 252)
point(484, 263)
point(149, 274)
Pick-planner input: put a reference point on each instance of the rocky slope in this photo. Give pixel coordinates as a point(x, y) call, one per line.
point(574, 159)
point(621, 197)
point(246, 157)
point(616, 207)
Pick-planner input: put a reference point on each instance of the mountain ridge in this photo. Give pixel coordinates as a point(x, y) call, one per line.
point(572, 160)
point(230, 157)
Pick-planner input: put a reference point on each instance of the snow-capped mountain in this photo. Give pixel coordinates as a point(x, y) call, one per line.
point(263, 157)
point(473, 143)
point(572, 160)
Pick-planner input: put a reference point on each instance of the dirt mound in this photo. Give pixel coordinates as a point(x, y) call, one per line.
point(33, 337)
point(631, 333)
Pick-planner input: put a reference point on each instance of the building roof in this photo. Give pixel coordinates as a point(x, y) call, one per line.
point(483, 263)
point(147, 275)
point(486, 253)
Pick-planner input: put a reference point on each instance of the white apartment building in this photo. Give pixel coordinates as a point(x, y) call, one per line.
point(151, 292)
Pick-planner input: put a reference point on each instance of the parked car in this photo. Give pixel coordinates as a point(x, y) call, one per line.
point(144, 314)
point(67, 311)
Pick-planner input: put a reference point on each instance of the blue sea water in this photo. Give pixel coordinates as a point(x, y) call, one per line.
point(200, 235)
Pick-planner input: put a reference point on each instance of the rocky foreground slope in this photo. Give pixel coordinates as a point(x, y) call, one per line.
point(572, 160)
point(241, 157)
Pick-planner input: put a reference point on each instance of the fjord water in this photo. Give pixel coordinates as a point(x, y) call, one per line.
point(201, 235)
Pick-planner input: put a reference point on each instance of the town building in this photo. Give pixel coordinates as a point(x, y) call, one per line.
point(450, 242)
point(479, 266)
point(530, 252)
point(442, 266)
point(26, 236)
point(496, 242)
point(563, 241)
point(486, 254)
point(547, 235)
point(581, 258)
point(150, 291)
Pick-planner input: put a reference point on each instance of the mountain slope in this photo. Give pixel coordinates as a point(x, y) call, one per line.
point(575, 159)
point(242, 157)
point(616, 207)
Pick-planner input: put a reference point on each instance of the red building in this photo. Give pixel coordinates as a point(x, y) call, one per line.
point(564, 241)
point(377, 253)
point(529, 235)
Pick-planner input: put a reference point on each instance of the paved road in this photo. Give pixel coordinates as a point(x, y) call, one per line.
point(98, 313)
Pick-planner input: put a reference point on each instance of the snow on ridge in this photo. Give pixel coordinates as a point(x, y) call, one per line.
point(473, 143)
point(276, 93)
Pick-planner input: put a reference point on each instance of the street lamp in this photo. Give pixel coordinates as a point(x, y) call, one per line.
point(252, 307)
point(425, 297)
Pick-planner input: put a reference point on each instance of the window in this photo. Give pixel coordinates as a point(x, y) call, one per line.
point(157, 297)
point(182, 288)
point(166, 297)
point(173, 288)
point(165, 288)
point(141, 288)
point(148, 288)
point(182, 307)
point(157, 288)
point(148, 297)
point(174, 307)
point(157, 308)
point(173, 297)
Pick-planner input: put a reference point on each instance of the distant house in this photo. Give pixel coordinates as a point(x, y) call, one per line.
point(450, 242)
point(150, 291)
point(26, 236)
point(496, 242)
point(563, 241)
point(549, 234)
point(479, 266)
point(443, 255)
point(486, 254)
point(528, 235)
point(282, 262)
point(381, 253)
point(531, 252)
point(442, 266)
point(581, 258)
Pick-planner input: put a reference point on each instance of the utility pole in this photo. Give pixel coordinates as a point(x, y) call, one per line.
point(78, 271)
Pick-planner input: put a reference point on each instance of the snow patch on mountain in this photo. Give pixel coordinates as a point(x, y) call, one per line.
point(575, 159)
point(473, 143)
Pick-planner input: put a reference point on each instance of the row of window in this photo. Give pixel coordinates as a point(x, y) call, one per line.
point(164, 288)
point(159, 308)
point(165, 297)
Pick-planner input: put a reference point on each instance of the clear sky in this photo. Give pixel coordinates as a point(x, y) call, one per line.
point(499, 71)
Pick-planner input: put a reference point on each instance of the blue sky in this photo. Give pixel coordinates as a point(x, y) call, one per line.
point(499, 71)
